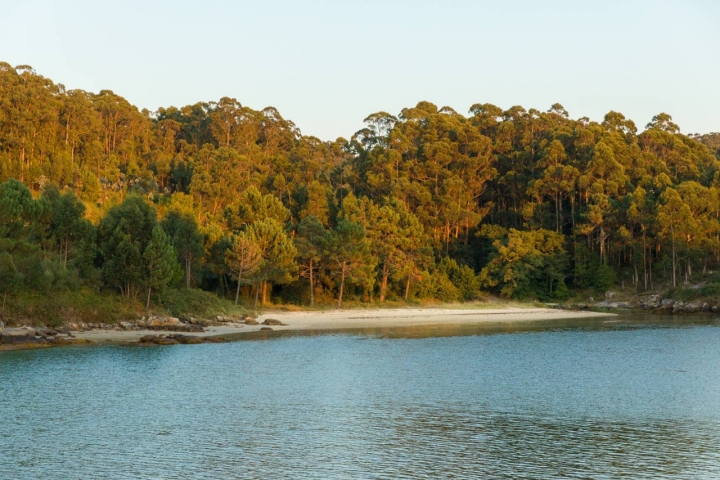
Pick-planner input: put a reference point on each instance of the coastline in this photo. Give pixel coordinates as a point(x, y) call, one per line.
point(327, 320)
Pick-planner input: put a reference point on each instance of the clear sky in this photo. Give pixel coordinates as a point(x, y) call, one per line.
point(326, 65)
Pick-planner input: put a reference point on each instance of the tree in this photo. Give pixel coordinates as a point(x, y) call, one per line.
point(243, 259)
point(161, 261)
point(182, 230)
point(311, 242)
point(349, 252)
point(525, 263)
point(277, 251)
point(124, 234)
point(9, 279)
point(73, 234)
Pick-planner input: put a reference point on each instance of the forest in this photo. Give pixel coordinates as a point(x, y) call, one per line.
point(427, 204)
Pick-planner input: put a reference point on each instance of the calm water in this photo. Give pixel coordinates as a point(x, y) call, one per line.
point(629, 398)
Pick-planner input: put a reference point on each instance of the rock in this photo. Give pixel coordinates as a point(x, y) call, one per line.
point(2, 325)
point(163, 323)
point(667, 302)
point(126, 325)
point(251, 322)
point(616, 305)
point(610, 294)
point(17, 335)
point(650, 302)
point(581, 306)
point(272, 321)
point(714, 309)
point(266, 328)
point(705, 307)
point(214, 340)
point(692, 308)
point(185, 340)
point(221, 319)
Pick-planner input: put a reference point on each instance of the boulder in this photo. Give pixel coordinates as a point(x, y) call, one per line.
point(272, 321)
point(186, 340)
point(610, 294)
point(650, 302)
point(162, 323)
point(678, 306)
point(126, 325)
point(17, 335)
point(714, 309)
point(692, 308)
point(251, 322)
point(266, 328)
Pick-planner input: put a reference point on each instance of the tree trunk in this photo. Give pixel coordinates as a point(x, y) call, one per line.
point(342, 285)
point(312, 285)
point(147, 306)
point(188, 273)
point(673, 260)
point(4, 297)
point(237, 292)
point(257, 293)
point(383, 284)
point(407, 287)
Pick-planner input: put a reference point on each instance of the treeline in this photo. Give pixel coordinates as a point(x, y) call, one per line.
point(426, 204)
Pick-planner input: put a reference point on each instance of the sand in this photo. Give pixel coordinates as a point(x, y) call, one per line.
point(353, 319)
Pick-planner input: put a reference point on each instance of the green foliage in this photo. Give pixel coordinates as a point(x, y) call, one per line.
point(197, 303)
point(350, 257)
point(9, 279)
point(605, 277)
point(161, 262)
point(503, 192)
point(437, 285)
point(182, 229)
point(525, 264)
point(462, 277)
point(124, 235)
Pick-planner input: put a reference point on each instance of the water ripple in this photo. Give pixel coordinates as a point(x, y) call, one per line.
point(637, 403)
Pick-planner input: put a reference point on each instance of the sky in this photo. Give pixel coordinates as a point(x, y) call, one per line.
point(327, 65)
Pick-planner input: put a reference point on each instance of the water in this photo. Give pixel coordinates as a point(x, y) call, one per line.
point(629, 397)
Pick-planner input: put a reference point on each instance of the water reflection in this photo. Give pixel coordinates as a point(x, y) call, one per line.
point(635, 398)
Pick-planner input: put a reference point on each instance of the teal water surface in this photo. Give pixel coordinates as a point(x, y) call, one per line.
point(624, 398)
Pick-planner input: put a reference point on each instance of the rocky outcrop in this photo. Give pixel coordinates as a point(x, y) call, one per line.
point(177, 339)
point(26, 337)
point(272, 321)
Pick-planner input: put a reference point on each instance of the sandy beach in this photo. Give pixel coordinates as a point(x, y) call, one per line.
point(353, 319)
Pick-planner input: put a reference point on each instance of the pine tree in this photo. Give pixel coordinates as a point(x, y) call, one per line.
point(161, 262)
point(242, 260)
point(311, 242)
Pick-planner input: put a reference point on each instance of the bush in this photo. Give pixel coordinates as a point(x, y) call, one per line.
point(462, 277)
point(195, 302)
point(437, 285)
point(604, 277)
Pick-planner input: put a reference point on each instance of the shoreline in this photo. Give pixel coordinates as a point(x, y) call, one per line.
point(329, 320)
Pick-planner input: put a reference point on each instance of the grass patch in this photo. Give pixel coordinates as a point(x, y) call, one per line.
point(58, 308)
point(198, 303)
point(710, 291)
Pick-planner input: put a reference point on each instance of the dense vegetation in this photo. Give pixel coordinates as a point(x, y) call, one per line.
point(97, 195)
